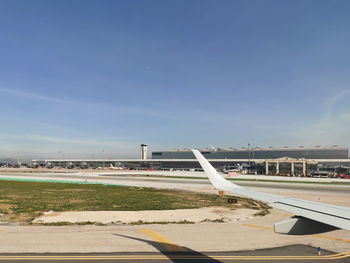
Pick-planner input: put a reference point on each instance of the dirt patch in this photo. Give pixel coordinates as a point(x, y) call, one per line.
point(205, 214)
point(5, 208)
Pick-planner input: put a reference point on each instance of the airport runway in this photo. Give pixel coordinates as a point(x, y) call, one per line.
point(329, 193)
point(171, 182)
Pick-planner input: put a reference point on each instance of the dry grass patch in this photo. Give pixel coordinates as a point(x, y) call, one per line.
point(23, 201)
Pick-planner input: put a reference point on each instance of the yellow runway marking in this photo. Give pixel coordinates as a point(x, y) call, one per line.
point(318, 236)
point(287, 214)
point(255, 226)
point(169, 245)
point(332, 238)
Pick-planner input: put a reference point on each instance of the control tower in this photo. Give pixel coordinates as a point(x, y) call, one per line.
point(143, 151)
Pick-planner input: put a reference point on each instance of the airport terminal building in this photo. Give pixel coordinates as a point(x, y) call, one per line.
point(297, 161)
point(334, 152)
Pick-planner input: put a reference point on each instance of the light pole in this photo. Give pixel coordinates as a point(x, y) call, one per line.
point(59, 158)
point(249, 155)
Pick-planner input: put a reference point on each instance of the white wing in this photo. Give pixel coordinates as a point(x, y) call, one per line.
point(310, 217)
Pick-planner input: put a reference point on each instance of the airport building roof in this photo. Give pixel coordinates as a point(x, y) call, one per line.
point(317, 152)
point(180, 160)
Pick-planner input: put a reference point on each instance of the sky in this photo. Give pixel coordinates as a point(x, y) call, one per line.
point(98, 78)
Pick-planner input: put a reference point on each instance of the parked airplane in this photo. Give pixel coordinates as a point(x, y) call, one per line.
point(309, 217)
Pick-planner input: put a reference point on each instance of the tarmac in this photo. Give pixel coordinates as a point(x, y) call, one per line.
point(250, 234)
point(250, 240)
point(168, 243)
point(165, 256)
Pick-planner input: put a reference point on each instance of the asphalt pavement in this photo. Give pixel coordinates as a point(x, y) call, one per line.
point(282, 254)
point(336, 188)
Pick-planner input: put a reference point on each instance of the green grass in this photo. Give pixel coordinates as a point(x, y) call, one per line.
point(23, 201)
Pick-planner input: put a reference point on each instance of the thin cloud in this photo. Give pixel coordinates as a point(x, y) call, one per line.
point(88, 104)
point(70, 141)
point(24, 94)
point(30, 145)
point(331, 102)
point(332, 127)
point(113, 142)
point(189, 115)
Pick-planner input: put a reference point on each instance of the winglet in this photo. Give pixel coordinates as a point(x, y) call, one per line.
point(215, 178)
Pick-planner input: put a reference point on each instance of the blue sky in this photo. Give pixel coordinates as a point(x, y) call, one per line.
point(97, 78)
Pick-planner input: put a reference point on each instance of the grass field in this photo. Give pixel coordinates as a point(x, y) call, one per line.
point(23, 201)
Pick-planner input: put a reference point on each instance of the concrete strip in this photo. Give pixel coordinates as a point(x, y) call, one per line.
point(161, 216)
point(317, 236)
point(204, 237)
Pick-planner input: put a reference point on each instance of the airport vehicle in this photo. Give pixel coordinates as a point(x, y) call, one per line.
point(111, 167)
point(344, 176)
point(320, 174)
point(309, 217)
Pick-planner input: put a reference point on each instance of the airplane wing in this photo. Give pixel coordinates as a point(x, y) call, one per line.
point(310, 217)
